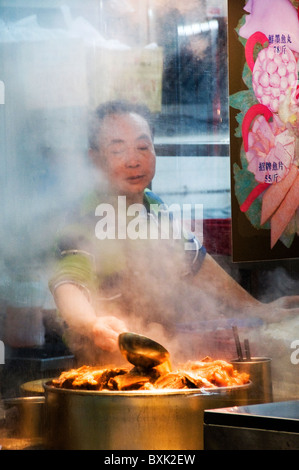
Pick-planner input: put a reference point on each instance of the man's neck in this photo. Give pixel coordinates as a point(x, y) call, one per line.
point(134, 199)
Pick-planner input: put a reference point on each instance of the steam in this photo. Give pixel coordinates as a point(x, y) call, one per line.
point(50, 84)
point(277, 283)
point(36, 195)
point(154, 298)
point(44, 168)
point(44, 171)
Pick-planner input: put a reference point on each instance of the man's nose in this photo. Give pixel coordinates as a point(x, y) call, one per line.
point(132, 157)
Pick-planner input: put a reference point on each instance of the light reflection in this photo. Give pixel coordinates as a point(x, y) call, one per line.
point(197, 28)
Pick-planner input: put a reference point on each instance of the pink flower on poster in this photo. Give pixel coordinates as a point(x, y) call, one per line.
point(271, 150)
point(274, 73)
point(273, 18)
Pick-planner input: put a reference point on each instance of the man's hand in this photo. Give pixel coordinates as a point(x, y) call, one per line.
point(105, 332)
point(80, 315)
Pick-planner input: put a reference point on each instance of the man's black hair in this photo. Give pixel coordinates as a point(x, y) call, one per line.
point(111, 108)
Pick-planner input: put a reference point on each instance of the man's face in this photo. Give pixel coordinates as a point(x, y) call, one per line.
point(126, 154)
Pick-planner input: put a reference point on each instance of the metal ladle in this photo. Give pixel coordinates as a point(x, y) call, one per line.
point(142, 351)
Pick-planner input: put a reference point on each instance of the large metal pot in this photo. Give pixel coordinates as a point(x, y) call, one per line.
point(132, 420)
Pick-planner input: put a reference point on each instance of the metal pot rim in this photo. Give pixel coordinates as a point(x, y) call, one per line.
point(252, 360)
point(15, 401)
point(146, 393)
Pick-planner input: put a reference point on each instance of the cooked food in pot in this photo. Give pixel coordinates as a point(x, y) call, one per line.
point(206, 373)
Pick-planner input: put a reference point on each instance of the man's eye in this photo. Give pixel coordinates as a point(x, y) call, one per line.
point(117, 150)
point(143, 147)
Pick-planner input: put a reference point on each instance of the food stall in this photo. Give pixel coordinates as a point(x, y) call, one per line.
point(61, 59)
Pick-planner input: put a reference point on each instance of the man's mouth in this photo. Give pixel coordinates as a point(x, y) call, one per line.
point(135, 178)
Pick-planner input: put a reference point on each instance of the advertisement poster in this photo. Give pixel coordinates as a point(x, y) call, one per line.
point(264, 128)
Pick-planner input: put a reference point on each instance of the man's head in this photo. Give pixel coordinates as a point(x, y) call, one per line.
point(121, 145)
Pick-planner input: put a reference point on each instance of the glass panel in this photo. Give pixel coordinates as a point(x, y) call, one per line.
point(61, 58)
point(100, 49)
point(194, 97)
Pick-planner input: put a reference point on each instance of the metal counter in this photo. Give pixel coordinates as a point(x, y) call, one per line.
point(269, 426)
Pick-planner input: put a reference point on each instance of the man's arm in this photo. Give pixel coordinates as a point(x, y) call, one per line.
point(78, 312)
point(233, 300)
point(215, 281)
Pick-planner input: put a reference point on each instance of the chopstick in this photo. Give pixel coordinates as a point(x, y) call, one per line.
point(247, 350)
point(238, 344)
point(239, 347)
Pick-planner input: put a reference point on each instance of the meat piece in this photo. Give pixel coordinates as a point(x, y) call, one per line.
point(200, 381)
point(191, 375)
point(219, 373)
point(87, 378)
point(128, 381)
point(173, 380)
point(135, 379)
point(182, 380)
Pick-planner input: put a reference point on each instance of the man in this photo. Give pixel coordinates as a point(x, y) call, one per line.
point(91, 286)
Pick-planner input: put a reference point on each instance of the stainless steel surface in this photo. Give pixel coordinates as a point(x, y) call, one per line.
point(259, 370)
point(267, 426)
point(25, 417)
point(128, 420)
point(142, 351)
point(238, 438)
